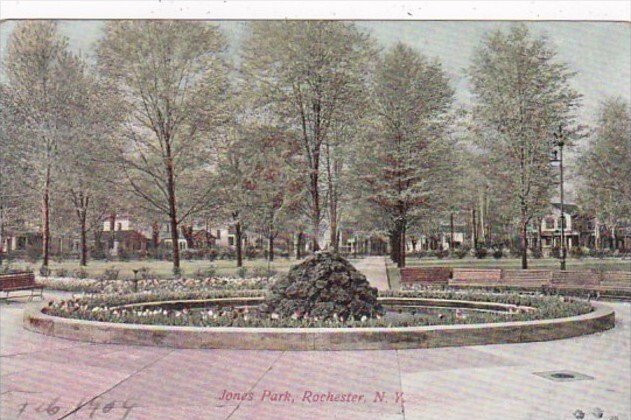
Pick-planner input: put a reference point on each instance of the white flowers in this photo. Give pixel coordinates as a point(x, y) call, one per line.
point(275, 316)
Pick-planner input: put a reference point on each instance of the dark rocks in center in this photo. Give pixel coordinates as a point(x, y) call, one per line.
point(325, 285)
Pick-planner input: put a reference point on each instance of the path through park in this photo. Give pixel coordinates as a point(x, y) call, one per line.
point(374, 268)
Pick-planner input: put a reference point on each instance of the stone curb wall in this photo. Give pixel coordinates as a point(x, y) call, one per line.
point(302, 339)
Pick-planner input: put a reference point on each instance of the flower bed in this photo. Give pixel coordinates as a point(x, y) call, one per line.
point(110, 308)
point(71, 284)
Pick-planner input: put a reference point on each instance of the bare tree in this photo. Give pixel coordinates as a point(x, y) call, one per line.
point(309, 75)
point(522, 96)
point(41, 74)
point(173, 78)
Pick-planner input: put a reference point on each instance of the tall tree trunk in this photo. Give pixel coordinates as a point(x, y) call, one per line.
point(402, 245)
point(110, 241)
point(238, 243)
point(315, 222)
point(46, 220)
point(333, 232)
point(172, 208)
point(315, 194)
point(84, 242)
point(155, 235)
point(474, 230)
point(98, 245)
point(270, 250)
point(451, 231)
point(299, 246)
point(524, 246)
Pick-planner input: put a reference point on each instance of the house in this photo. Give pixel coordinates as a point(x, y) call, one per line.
point(579, 228)
point(27, 241)
point(122, 232)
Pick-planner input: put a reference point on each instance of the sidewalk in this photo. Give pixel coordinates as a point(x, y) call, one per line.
point(374, 268)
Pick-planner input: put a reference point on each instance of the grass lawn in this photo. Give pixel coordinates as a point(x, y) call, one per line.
point(609, 264)
point(163, 269)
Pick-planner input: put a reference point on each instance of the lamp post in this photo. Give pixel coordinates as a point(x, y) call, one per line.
point(559, 141)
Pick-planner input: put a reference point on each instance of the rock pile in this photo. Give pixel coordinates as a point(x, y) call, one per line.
point(323, 286)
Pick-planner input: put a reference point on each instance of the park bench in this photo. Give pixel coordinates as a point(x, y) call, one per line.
point(426, 276)
point(619, 280)
point(476, 277)
point(20, 282)
point(573, 278)
point(526, 278)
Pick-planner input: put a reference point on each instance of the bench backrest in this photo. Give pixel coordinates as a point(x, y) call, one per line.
point(528, 277)
point(616, 278)
point(477, 275)
point(433, 275)
point(576, 278)
point(12, 281)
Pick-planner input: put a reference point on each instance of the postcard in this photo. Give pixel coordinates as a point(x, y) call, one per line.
point(315, 210)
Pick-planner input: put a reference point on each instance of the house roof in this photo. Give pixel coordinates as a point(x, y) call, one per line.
point(567, 208)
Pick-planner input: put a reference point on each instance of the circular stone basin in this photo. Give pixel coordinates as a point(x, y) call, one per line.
point(601, 318)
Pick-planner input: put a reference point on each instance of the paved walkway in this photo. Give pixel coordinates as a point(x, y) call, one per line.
point(374, 268)
point(49, 378)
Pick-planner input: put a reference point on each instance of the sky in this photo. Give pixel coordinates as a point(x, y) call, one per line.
point(599, 52)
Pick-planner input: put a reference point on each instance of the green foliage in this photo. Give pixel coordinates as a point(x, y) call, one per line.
point(461, 253)
point(480, 252)
point(110, 274)
point(242, 272)
point(205, 273)
point(605, 165)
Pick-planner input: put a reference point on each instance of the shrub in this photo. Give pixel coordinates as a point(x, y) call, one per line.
point(33, 253)
point(601, 253)
point(110, 274)
point(80, 273)
point(460, 253)
point(577, 252)
point(178, 272)
point(515, 252)
point(205, 273)
point(6, 269)
point(481, 252)
point(498, 253)
point(123, 254)
point(97, 254)
point(44, 271)
point(536, 253)
point(421, 254)
point(145, 273)
point(242, 272)
point(441, 253)
point(263, 272)
point(555, 252)
point(212, 254)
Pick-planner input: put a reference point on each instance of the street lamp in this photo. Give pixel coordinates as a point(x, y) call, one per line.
point(559, 141)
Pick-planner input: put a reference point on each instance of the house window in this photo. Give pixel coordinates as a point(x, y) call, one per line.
point(548, 223)
point(119, 226)
point(231, 240)
point(218, 234)
point(562, 221)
